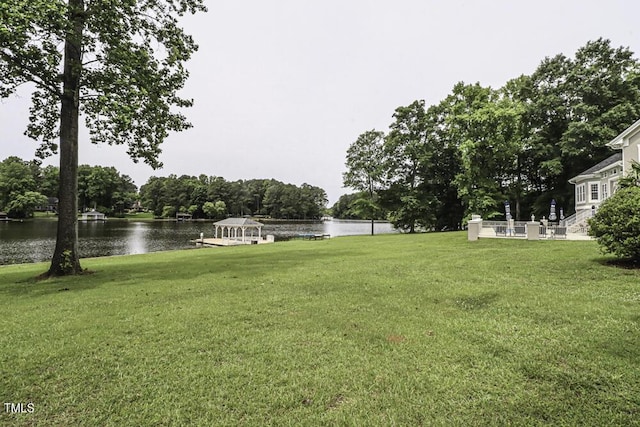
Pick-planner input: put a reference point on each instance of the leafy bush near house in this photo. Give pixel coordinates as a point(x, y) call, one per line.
point(616, 225)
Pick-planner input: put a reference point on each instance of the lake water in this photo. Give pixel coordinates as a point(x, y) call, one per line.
point(34, 240)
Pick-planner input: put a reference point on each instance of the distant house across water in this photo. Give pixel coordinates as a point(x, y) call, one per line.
point(183, 217)
point(52, 204)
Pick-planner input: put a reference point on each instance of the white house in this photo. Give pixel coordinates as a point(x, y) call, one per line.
point(629, 143)
point(599, 182)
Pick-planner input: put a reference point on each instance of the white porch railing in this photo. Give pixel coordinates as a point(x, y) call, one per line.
point(577, 223)
point(520, 229)
point(579, 216)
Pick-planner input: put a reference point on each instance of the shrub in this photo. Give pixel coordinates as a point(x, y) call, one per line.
point(23, 205)
point(169, 211)
point(616, 225)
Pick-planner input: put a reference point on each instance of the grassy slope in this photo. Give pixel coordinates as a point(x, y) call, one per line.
point(394, 329)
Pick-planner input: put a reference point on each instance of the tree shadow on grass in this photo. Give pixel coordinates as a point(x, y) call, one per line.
point(147, 269)
point(38, 285)
point(245, 264)
point(623, 346)
point(476, 301)
point(626, 263)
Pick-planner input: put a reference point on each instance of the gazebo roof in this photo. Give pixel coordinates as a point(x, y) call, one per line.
point(238, 222)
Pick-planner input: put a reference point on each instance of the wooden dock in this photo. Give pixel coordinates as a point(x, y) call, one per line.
point(228, 242)
point(311, 236)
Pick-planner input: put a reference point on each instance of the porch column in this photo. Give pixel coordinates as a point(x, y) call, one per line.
point(474, 227)
point(533, 230)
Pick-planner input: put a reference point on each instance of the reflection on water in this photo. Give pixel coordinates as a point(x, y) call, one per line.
point(353, 228)
point(34, 241)
point(136, 242)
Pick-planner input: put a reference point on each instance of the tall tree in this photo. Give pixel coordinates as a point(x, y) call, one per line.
point(490, 147)
point(409, 168)
point(16, 177)
point(105, 189)
point(443, 166)
point(49, 181)
point(343, 208)
point(118, 62)
point(313, 201)
point(365, 169)
point(151, 194)
point(573, 108)
point(23, 205)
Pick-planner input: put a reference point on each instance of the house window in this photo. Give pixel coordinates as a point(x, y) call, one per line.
point(594, 191)
point(605, 193)
point(580, 194)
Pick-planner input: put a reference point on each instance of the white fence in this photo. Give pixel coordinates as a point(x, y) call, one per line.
point(521, 229)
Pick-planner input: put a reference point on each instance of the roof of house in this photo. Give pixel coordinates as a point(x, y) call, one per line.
point(619, 141)
point(239, 222)
point(609, 161)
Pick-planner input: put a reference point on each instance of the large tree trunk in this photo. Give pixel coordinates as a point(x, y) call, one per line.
point(66, 259)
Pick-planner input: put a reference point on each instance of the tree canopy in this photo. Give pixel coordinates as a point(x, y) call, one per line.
point(117, 63)
point(215, 197)
point(365, 172)
point(480, 146)
point(129, 64)
point(110, 192)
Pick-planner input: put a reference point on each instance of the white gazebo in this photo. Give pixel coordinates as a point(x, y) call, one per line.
point(239, 229)
point(93, 215)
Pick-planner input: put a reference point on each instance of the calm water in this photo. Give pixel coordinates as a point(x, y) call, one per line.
point(34, 241)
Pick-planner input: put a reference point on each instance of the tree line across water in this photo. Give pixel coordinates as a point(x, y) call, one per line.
point(215, 197)
point(26, 186)
point(479, 147)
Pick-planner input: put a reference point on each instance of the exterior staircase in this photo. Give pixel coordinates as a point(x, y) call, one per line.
point(577, 223)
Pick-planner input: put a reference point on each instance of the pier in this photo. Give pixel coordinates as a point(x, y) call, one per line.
point(232, 242)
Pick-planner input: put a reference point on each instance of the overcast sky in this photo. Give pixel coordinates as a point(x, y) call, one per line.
point(283, 87)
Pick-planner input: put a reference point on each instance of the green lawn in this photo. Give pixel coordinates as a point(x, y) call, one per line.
point(388, 330)
point(45, 215)
point(139, 215)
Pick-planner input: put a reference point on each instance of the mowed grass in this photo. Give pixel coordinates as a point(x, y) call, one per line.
point(413, 330)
